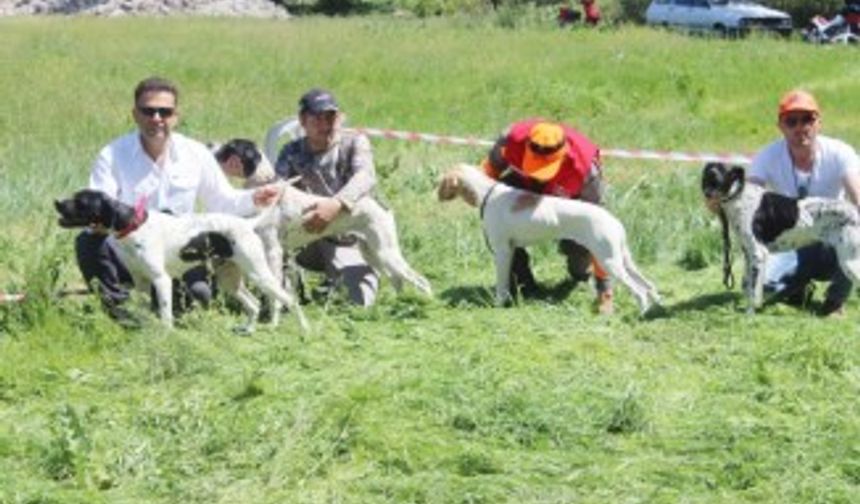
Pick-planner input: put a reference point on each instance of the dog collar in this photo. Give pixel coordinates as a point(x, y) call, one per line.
point(734, 194)
point(486, 197)
point(140, 216)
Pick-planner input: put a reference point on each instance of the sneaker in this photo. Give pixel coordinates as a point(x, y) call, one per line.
point(603, 304)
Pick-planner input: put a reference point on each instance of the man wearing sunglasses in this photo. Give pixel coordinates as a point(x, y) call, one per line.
point(806, 163)
point(339, 165)
point(547, 157)
point(162, 170)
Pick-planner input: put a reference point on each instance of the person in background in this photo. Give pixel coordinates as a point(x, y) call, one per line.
point(339, 165)
point(165, 171)
point(547, 157)
point(806, 163)
point(590, 11)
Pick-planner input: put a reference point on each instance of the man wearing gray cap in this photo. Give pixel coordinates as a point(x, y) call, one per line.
point(337, 164)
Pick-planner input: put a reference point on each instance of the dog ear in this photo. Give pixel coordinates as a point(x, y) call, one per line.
point(737, 173)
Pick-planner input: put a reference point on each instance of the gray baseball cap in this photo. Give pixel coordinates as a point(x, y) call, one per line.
point(317, 100)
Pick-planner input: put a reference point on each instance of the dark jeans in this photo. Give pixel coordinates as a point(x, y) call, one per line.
point(578, 262)
point(98, 259)
point(819, 262)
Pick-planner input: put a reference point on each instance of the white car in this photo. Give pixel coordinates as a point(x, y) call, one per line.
point(726, 17)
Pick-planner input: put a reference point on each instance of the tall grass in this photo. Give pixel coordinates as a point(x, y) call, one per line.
point(415, 400)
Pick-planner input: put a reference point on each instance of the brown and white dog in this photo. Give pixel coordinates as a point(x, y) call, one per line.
point(507, 227)
point(155, 248)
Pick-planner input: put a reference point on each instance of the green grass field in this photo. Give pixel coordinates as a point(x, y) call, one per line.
point(442, 400)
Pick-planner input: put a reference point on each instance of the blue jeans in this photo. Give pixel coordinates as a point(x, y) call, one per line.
point(790, 272)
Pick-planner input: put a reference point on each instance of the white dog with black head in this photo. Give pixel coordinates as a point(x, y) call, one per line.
point(368, 221)
point(767, 222)
point(507, 227)
point(157, 247)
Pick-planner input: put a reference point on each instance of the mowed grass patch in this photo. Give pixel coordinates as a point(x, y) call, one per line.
point(422, 400)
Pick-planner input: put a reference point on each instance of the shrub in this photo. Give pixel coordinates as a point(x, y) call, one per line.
point(633, 10)
point(802, 10)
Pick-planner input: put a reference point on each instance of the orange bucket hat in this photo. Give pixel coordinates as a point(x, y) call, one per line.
point(545, 151)
point(797, 101)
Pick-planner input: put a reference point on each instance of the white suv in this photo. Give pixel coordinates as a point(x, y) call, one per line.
point(726, 17)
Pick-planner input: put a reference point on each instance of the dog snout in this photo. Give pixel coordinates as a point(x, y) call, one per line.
point(447, 189)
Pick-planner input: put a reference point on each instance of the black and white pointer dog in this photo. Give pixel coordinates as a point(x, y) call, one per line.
point(769, 222)
point(157, 247)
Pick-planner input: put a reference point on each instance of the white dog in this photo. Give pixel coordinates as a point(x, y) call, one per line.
point(769, 222)
point(368, 221)
point(551, 218)
point(157, 247)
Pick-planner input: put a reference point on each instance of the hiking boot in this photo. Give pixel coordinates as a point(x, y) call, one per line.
point(603, 303)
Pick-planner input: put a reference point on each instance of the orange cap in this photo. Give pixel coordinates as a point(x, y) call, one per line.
point(797, 101)
point(545, 151)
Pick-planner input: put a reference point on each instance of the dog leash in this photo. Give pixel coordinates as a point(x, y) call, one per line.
point(728, 275)
point(481, 214)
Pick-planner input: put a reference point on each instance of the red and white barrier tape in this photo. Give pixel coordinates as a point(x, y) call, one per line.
point(700, 157)
point(10, 297)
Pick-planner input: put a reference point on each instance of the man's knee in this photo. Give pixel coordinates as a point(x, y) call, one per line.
point(578, 259)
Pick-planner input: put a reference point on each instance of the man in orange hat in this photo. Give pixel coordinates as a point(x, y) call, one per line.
point(546, 157)
point(805, 163)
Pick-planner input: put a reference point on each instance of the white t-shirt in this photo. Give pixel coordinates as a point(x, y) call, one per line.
point(124, 171)
point(834, 160)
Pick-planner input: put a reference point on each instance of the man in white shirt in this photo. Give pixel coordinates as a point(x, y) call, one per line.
point(165, 171)
point(806, 163)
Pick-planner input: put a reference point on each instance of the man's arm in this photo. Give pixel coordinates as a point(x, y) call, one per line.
point(363, 179)
point(102, 177)
point(852, 186)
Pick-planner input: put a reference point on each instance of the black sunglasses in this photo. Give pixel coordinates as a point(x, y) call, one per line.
point(163, 112)
point(805, 119)
point(545, 150)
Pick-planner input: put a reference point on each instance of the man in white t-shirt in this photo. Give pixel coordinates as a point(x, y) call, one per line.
point(806, 163)
point(165, 171)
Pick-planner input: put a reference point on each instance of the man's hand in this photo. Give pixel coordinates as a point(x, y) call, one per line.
point(525, 201)
point(319, 215)
point(267, 195)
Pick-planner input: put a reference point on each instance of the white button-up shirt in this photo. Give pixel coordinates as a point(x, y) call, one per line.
point(189, 173)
